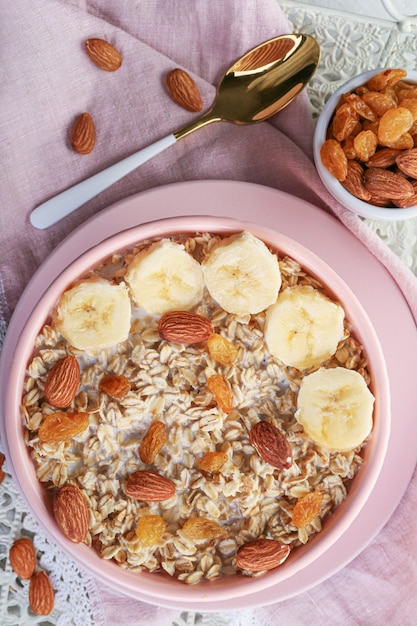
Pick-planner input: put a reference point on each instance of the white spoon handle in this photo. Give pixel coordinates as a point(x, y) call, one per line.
point(67, 201)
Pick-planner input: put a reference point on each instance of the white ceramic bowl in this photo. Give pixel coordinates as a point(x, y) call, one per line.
point(333, 186)
point(159, 588)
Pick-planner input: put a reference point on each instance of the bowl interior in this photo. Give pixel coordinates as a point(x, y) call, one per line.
point(160, 588)
point(334, 186)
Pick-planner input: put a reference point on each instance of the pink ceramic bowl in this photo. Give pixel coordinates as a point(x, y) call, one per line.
point(161, 589)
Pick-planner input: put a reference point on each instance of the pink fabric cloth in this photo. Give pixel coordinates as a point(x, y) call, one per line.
point(47, 80)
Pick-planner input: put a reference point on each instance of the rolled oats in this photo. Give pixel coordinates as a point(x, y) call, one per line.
point(248, 497)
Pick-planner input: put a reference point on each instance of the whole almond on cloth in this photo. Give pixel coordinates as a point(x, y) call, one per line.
point(261, 554)
point(71, 513)
point(271, 445)
point(62, 382)
point(149, 486)
point(41, 594)
point(103, 54)
point(83, 134)
point(184, 327)
point(23, 558)
point(183, 90)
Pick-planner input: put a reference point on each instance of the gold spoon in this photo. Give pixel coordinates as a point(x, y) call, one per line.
point(258, 85)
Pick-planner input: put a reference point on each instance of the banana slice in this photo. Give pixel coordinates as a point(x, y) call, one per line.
point(242, 275)
point(303, 328)
point(335, 408)
point(94, 314)
point(165, 278)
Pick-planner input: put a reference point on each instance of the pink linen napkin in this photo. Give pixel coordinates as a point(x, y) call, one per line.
point(47, 81)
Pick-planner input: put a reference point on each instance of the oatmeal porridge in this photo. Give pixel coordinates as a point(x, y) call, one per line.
point(189, 454)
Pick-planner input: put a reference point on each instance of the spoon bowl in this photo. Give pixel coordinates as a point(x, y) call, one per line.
point(262, 82)
point(257, 85)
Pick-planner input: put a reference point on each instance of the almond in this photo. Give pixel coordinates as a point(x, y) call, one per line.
point(184, 327)
point(83, 134)
point(2, 472)
point(405, 203)
point(271, 445)
point(114, 385)
point(41, 594)
point(103, 54)
point(62, 382)
point(407, 162)
point(386, 184)
point(71, 513)
point(23, 558)
point(385, 157)
point(262, 554)
point(354, 181)
point(183, 90)
point(149, 486)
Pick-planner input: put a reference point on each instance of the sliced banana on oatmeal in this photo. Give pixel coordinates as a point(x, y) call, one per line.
point(164, 277)
point(242, 274)
point(335, 407)
point(94, 314)
point(304, 327)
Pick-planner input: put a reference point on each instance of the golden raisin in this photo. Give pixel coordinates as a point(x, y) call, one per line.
point(221, 349)
point(361, 107)
point(365, 145)
point(405, 142)
point(386, 78)
point(197, 528)
point(219, 387)
point(411, 105)
point(334, 159)
point(343, 124)
point(393, 124)
point(150, 529)
point(307, 509)
point(60, 426)
point(114, 385)
point(378, 102)
point(212, 461)
point(153, 442)
point(349, 148)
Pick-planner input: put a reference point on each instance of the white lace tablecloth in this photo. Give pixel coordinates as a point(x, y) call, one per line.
point(350, 44)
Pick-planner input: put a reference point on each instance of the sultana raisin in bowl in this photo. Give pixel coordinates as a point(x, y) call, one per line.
point(376, 121)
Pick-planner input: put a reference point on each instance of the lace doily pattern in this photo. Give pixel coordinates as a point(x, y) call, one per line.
point(72, 589)
point(351, 45)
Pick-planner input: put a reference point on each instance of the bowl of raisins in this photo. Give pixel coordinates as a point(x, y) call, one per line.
point(365, 144)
